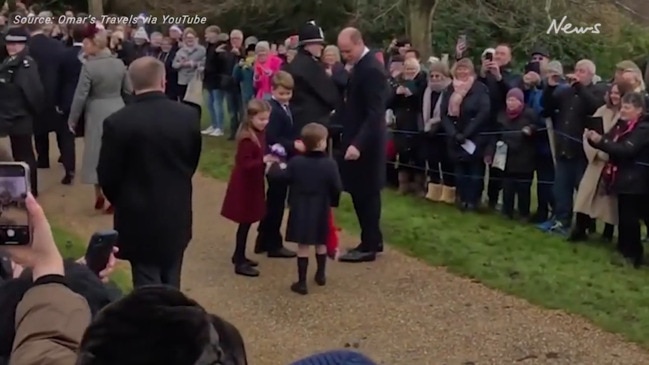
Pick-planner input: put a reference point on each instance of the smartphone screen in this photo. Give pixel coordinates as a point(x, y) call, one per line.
point(14, 220)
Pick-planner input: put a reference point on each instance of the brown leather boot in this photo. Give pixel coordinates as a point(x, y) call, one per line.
point(434, 192)
point(404, 182)
point(448, 195)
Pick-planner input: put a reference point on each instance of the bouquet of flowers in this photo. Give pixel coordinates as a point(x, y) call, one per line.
point(278, 151)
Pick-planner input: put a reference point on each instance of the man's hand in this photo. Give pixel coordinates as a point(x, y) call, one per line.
point(352, 153)
point(484, 67)
point(299, 146)
point(531, 78)
point(328, 71)
point(400, 90)
point(494, 69)
point(527, 131)
point(42, 255)
point(104, 274)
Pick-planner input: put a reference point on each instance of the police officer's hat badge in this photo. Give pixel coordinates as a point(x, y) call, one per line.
point(311, 33)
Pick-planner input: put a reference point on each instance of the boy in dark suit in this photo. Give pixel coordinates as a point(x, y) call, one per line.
point(315, 187)
point(280, 130)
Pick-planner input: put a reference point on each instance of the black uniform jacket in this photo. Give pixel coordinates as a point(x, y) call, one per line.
point(315, 94)
point(21, 95)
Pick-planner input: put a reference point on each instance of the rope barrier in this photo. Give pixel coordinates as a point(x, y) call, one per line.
point(427, 170)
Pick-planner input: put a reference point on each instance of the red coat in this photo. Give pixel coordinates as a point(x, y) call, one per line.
point(245, 199)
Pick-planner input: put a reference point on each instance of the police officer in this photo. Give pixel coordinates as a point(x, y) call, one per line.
point(21, 96)
point(315, 95)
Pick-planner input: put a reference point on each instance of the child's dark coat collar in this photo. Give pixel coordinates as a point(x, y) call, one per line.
point(315, 154)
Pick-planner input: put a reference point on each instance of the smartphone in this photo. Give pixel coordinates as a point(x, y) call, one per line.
point(533, 67)
point(99, 249)
point(596, 124)
point(489, 56)
point(15, 227)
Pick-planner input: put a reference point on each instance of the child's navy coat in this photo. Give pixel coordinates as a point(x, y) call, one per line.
point(314, 187)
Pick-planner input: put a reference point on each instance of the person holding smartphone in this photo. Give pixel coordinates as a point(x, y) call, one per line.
point(497, 74)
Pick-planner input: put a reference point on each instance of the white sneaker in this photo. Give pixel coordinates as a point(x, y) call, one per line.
point(208, 130)
point(216, 133)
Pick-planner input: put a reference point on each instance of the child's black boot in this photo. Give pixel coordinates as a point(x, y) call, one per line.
point(302, 266)
point(320, 276)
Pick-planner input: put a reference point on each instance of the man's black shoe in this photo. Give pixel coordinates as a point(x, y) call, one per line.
point(283, 253)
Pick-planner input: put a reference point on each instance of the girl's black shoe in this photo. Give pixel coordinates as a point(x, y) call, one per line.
point(300, 288)
point(246, 270)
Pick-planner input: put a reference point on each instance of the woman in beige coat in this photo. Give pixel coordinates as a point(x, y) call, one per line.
point(591, 201)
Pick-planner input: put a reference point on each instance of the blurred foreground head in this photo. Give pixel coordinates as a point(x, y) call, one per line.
point(159, 325)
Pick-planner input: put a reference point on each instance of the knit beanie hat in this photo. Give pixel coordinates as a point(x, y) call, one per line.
point(517, 94)
point(554, 68)
point(339, 357)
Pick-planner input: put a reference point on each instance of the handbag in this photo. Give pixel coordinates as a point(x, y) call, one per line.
point(194, 93)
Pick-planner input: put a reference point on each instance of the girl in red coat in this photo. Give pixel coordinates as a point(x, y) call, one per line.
point(244, 201)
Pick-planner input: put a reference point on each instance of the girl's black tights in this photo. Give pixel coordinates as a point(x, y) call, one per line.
point(239, 256)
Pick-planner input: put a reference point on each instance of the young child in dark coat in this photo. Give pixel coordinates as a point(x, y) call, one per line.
point(245, 201)
point(314, 187)
point(517, 126)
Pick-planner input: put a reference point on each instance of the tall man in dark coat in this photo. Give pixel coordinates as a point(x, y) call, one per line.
point(149, 153)
point(363, 141)
point(70, 68)
point(315, 95)
point(47, 53)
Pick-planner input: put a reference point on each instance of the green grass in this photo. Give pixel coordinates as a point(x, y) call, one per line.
point(509, 256)
point(74, 247)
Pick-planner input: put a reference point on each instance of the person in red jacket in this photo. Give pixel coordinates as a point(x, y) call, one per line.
point(244, 201)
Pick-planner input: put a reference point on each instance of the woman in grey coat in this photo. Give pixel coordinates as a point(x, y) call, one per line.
point(189, 59)
point(102, 83)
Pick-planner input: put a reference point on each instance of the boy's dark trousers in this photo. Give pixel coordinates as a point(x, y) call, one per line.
point(517, 186)
point(269, 237)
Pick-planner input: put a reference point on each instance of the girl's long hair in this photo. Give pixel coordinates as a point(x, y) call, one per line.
point(246, 129)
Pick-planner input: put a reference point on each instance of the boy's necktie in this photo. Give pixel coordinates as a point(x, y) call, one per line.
point(288, 112)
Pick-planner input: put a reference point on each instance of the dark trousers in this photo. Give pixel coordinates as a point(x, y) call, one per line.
point(64, 140)
point(151, 274)
point(631, 209)
point(517, 187)
point(440, 166)
point(410, 154)
point(469, 176)
point(269, 228)
point(22, 150)
point(173, 91)
point(495, 185)
point(568, 174)
point(180, 92)
point(544, 168)
point(367, 206)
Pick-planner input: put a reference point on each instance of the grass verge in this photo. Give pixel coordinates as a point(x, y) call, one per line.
point(508, 256)
point(74, 247)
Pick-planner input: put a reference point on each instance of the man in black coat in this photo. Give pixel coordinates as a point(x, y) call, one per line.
point(70, 68)
point(363, 141)
point(315, 95)
point(47, 53)
point(149, 153)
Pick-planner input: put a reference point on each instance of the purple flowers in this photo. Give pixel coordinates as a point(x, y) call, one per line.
point(278, 150)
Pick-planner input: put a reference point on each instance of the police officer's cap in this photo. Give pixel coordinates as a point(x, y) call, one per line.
point(16, 35)
point(310, 33)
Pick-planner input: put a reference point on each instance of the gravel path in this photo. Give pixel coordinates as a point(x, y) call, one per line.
point(397, 310)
